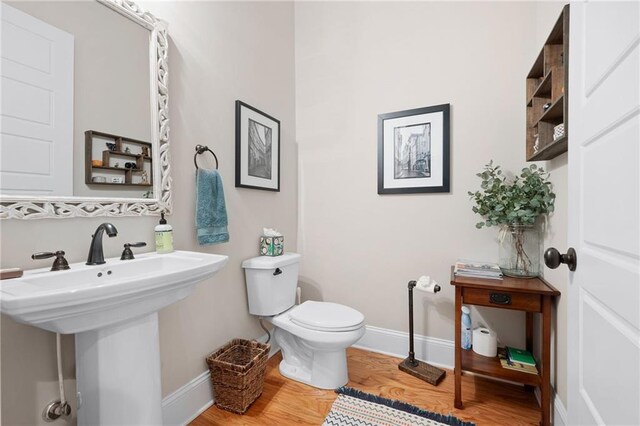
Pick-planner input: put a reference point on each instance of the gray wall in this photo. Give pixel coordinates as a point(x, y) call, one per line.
point(355, 60)
point(557, 226)
point(219, 52)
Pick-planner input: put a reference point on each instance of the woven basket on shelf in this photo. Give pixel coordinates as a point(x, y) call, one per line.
point(237, 372)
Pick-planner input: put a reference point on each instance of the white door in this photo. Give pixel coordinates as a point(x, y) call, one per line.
point(36, 133)
point(604, 214)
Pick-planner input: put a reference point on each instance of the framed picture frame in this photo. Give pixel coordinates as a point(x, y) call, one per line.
point(257, 149)
point(413, 150)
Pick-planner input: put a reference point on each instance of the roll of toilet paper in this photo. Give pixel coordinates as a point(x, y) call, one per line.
point(425, 284)
point(485, 342)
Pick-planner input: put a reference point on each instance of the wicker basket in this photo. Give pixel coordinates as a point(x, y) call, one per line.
point(237, 372)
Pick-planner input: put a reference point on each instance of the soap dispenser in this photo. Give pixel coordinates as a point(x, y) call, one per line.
point(164, 236)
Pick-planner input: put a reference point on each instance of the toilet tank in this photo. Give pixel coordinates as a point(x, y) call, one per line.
point(271, 283)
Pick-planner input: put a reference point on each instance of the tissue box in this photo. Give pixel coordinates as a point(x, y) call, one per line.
point(271, 246)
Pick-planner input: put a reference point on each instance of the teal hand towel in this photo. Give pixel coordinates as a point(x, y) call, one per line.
point(211, 211)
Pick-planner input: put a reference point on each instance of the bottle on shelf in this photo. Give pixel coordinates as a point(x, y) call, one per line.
point(466, 328)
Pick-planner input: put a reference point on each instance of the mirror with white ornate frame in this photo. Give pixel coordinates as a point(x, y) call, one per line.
point(20, 206)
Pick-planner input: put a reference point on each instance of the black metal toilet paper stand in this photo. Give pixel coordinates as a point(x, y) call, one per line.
point(411, 365)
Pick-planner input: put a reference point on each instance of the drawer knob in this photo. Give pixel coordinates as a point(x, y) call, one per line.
point(500, 298)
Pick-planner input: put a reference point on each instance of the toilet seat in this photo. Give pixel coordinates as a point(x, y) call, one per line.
point(325, 316)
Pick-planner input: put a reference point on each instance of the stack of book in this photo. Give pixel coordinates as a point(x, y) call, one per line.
point(468, 268)
point(517, 359)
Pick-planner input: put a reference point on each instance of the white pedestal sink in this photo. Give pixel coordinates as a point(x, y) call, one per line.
point(113, 310)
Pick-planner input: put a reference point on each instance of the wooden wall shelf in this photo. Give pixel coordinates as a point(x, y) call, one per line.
point(121, 143)
point(121, 184)
point(547, 83)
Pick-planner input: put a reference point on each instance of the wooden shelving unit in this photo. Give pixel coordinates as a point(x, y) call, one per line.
point(109, 156)
point(547, 84)
point(533, 296)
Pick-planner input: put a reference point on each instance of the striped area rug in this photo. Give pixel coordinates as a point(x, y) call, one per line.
point(357, 408)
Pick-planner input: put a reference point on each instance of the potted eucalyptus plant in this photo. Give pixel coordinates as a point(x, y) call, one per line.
point(514, 205)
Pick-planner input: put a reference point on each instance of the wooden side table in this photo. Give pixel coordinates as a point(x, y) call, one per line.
point(529, 295)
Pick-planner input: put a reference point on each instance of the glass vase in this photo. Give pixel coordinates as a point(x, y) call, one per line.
point(519, 252)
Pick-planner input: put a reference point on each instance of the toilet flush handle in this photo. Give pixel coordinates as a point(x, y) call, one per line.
point(278, 271)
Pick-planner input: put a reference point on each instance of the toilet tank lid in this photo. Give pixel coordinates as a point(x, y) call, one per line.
point(271, 262)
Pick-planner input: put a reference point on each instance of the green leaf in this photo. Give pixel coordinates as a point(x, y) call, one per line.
point(503, 200)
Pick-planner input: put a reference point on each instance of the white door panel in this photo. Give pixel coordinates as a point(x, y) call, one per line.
point(603, 335)
point(30, 129)
point(25, 47)
point(36, 110)
point(612, 281)
point(26, 102)
point(621, 104)
point(14, 146)
point(605, 169)
point(32, 175)
point(605, 48)
point(604, 214)
point(27, 74)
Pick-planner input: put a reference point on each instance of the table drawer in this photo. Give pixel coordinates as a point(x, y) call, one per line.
point(502, 299)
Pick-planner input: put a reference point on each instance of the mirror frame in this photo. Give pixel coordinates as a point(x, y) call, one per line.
point(57, 207)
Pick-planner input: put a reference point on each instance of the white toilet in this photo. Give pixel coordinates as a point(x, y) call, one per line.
point(313, 336)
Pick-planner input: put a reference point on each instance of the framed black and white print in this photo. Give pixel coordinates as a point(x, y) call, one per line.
point(413, 150)
point(257, 149)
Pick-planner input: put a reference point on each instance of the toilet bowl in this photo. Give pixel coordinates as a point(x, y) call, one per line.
point(313, 336)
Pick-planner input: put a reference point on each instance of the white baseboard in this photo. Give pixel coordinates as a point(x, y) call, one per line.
point(192, 399)
point(559, 412)
point(188, 402)
point(438, 352)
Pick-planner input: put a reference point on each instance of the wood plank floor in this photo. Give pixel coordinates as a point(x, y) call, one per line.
point(287, 402)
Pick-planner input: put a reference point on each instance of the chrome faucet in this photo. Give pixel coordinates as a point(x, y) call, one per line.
point(96, 255)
